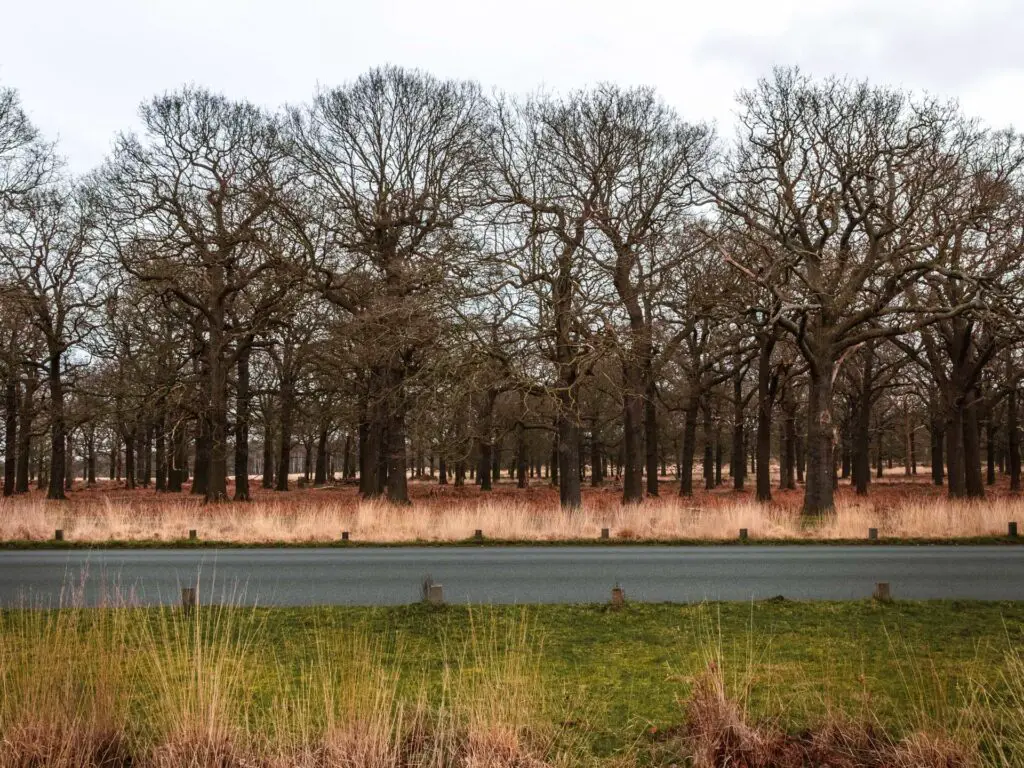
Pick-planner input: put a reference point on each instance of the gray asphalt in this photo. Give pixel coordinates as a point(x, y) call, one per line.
point(382, 576)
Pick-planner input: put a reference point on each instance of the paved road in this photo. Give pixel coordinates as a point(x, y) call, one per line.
point(510, 574)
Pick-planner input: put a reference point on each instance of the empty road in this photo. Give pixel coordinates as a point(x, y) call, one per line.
point(383, 576)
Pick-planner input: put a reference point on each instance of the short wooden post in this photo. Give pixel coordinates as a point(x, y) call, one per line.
point(193, 534)
point(435, 594)
point(1011, 530)
point(58, 535)
point(873, 534)
point(478, 534)
point(882, 592)
point(188, 599)
point(605, 533)
point(618, 597)
point(344, 535)
point(743, 534)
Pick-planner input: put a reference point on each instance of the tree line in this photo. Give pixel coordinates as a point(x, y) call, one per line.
point(406, 276)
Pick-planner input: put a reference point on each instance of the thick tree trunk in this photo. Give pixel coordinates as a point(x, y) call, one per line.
point(955, 452)
point(1013, 437)
point(129, 460)
point(483, 472)
point(689, 450)
point(709, 455)
point(267, 480)
point(90, 461)
point(58, 436)
point(819, 493)
point(201, 464)
point(633, 399)
point(10, 434)
point(521, 467)
point(442, 470)
point(569, 491)
point(284, 456)
point(974, 486)
point(596, 458)
point(938, 437)
point(861, 468)
point(161, 449)
point(397, 483)
point(763, 440)
point(651, 436)
point(242, 402)
point(320, 475)
point(990, 451)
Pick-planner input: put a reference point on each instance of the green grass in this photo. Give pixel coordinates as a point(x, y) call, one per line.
point(609, 678)
point(630, 668)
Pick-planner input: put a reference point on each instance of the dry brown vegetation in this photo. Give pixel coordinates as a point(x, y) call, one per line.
point(897, 508)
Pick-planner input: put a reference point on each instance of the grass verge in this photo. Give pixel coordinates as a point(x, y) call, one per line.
point(766, 683)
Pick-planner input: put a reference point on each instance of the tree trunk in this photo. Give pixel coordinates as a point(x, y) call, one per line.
point(520, 456)
point(974, 486)
point(10, 434)
point(442, 470)
point(651, 436)
point(129, 460)
point(201, 464)
point(763, 440)
point(320, 475)
point(990, 451)
point(938, 437)
point(242, 398)
point(709, 455)
point(819, 493)
point(58, 437)
point(284, 456)
point(569, 491)
point(90, 461)
point(161, 448)
point(1013, 436)
point(955, 451)
point(633, 398)
point(689, 449)
point(268, 452)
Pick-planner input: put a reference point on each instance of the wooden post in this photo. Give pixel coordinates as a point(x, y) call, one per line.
point(882, 592)
point(193, 534)
point(344, 535)
point(743, 534)
point(188, 600)
point(618, 597)
point(605, 533)
point(478, 535)
point(873, 534)
point(1011, 530)
point(58, 535)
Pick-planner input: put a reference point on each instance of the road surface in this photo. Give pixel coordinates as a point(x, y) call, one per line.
point(383, 576)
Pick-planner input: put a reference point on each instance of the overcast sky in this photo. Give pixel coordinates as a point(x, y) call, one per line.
point(83, 66)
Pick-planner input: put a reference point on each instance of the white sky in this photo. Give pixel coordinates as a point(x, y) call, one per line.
point(83, 66)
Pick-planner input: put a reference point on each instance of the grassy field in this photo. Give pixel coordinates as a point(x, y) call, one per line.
point(900, 510)
point(877, 684)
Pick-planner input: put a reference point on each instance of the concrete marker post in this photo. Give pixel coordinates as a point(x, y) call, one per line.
point(872, 534)
point(435, 594)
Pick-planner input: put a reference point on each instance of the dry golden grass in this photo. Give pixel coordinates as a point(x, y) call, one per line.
point(897, 509)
